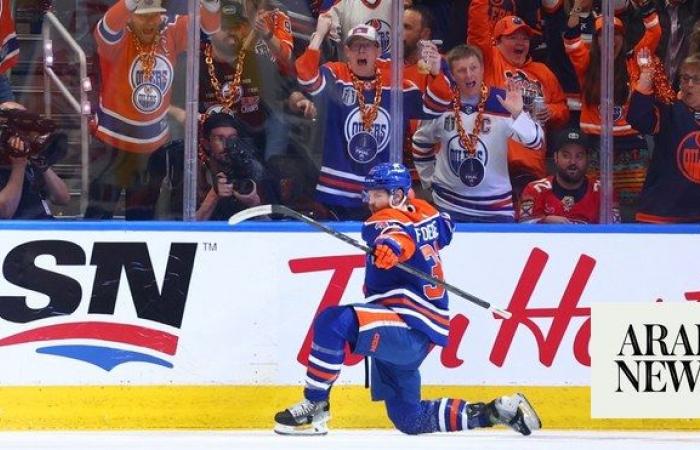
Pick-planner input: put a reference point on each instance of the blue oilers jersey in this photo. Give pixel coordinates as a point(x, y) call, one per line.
point(349, 149)
point(422, 305)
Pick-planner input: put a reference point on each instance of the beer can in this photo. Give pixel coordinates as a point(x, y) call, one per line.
point(538, 104)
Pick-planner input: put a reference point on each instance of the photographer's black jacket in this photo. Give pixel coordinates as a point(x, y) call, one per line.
point(32, 205)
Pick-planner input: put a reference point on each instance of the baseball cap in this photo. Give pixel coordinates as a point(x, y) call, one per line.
point(149, 7)
point(218, 120)
point(510, 24)
point(362, 31)
point(617, 23)
point(571, 136)
point(232, 12)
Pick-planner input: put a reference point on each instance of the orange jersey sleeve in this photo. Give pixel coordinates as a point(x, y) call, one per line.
point(281, 28)
point(408, 246)
point(652, 34)
point(480, 29)
point(438, 96)
point(579, 55)
point(308, 70)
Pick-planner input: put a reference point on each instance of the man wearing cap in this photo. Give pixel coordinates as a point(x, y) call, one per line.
point(568, 196)
point(269, 28)
point(347, 14)
point(231, 178)
point(239, 75)
point(138, 48)
point(357, 123)
point(506, 57)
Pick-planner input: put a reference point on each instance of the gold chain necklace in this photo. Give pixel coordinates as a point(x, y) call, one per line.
point(147, 57)
point(468, 141)
point(368, 113)
point(226, 99)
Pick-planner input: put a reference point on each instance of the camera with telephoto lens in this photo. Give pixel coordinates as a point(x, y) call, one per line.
point(43, 146)
point(239, 165)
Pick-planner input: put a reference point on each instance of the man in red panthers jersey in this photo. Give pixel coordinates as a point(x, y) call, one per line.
point(568, 196)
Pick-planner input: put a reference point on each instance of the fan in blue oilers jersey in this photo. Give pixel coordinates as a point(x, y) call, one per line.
point(357, 95)
point(671, 192)
point(402, 318)
point(469, 174)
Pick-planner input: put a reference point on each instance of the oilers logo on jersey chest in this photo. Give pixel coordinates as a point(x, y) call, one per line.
point(470, 169)
point(364, 146)
point(148, 93)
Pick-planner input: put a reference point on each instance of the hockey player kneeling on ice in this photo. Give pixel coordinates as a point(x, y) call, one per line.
point(402, 319)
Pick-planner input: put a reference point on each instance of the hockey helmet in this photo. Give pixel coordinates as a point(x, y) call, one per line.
point(389, 176)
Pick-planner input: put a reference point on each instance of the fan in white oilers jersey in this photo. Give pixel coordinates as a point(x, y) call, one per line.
point(469, 174)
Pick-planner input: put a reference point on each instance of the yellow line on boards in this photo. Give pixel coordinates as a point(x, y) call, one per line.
point(222, 407)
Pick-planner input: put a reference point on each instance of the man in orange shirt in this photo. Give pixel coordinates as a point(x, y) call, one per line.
point(506, 56)
point(138, 47)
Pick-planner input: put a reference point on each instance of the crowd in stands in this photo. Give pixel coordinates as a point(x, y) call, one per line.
point(501, 105)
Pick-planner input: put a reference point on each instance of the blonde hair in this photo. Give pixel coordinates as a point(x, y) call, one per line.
point(694, 39)
point(692, 60)
point(464, 51)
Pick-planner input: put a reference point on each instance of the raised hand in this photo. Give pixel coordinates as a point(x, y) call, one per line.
point(324, 24)
point(431, 56)
point(645, 84)
point(514, 99)
point(261, 24)
point(643, 57)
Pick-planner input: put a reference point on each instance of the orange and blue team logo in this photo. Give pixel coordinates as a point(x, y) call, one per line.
point(688, 157)
point(67, 328)
point(363, 147)
point(383, 35)
point(148, 93)
point(617, 112)
point(471, 170)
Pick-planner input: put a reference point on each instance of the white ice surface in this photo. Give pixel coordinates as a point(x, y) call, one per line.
point(342, 440)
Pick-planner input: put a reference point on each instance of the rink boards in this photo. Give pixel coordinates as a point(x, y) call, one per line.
point(204, 326)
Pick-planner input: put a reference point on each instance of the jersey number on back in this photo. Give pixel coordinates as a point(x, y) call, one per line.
point(430, 253)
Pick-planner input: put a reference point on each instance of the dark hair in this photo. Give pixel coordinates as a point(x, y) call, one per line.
point(427, 20)
point(464, 51)
point(217, 120)
point(592, 78)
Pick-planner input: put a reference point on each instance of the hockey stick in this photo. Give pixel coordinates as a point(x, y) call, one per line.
point(264, 210)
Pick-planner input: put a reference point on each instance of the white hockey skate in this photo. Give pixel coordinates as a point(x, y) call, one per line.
point(305, 418)
point(516, 412)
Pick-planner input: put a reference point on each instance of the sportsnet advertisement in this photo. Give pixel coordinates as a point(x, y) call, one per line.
point(234, 308)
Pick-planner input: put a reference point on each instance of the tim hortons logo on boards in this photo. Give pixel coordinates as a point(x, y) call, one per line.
point(111, 343)
point(548, 343)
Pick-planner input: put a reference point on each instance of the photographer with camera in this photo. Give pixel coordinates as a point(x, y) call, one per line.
point(26, 154)
point(231, 178)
